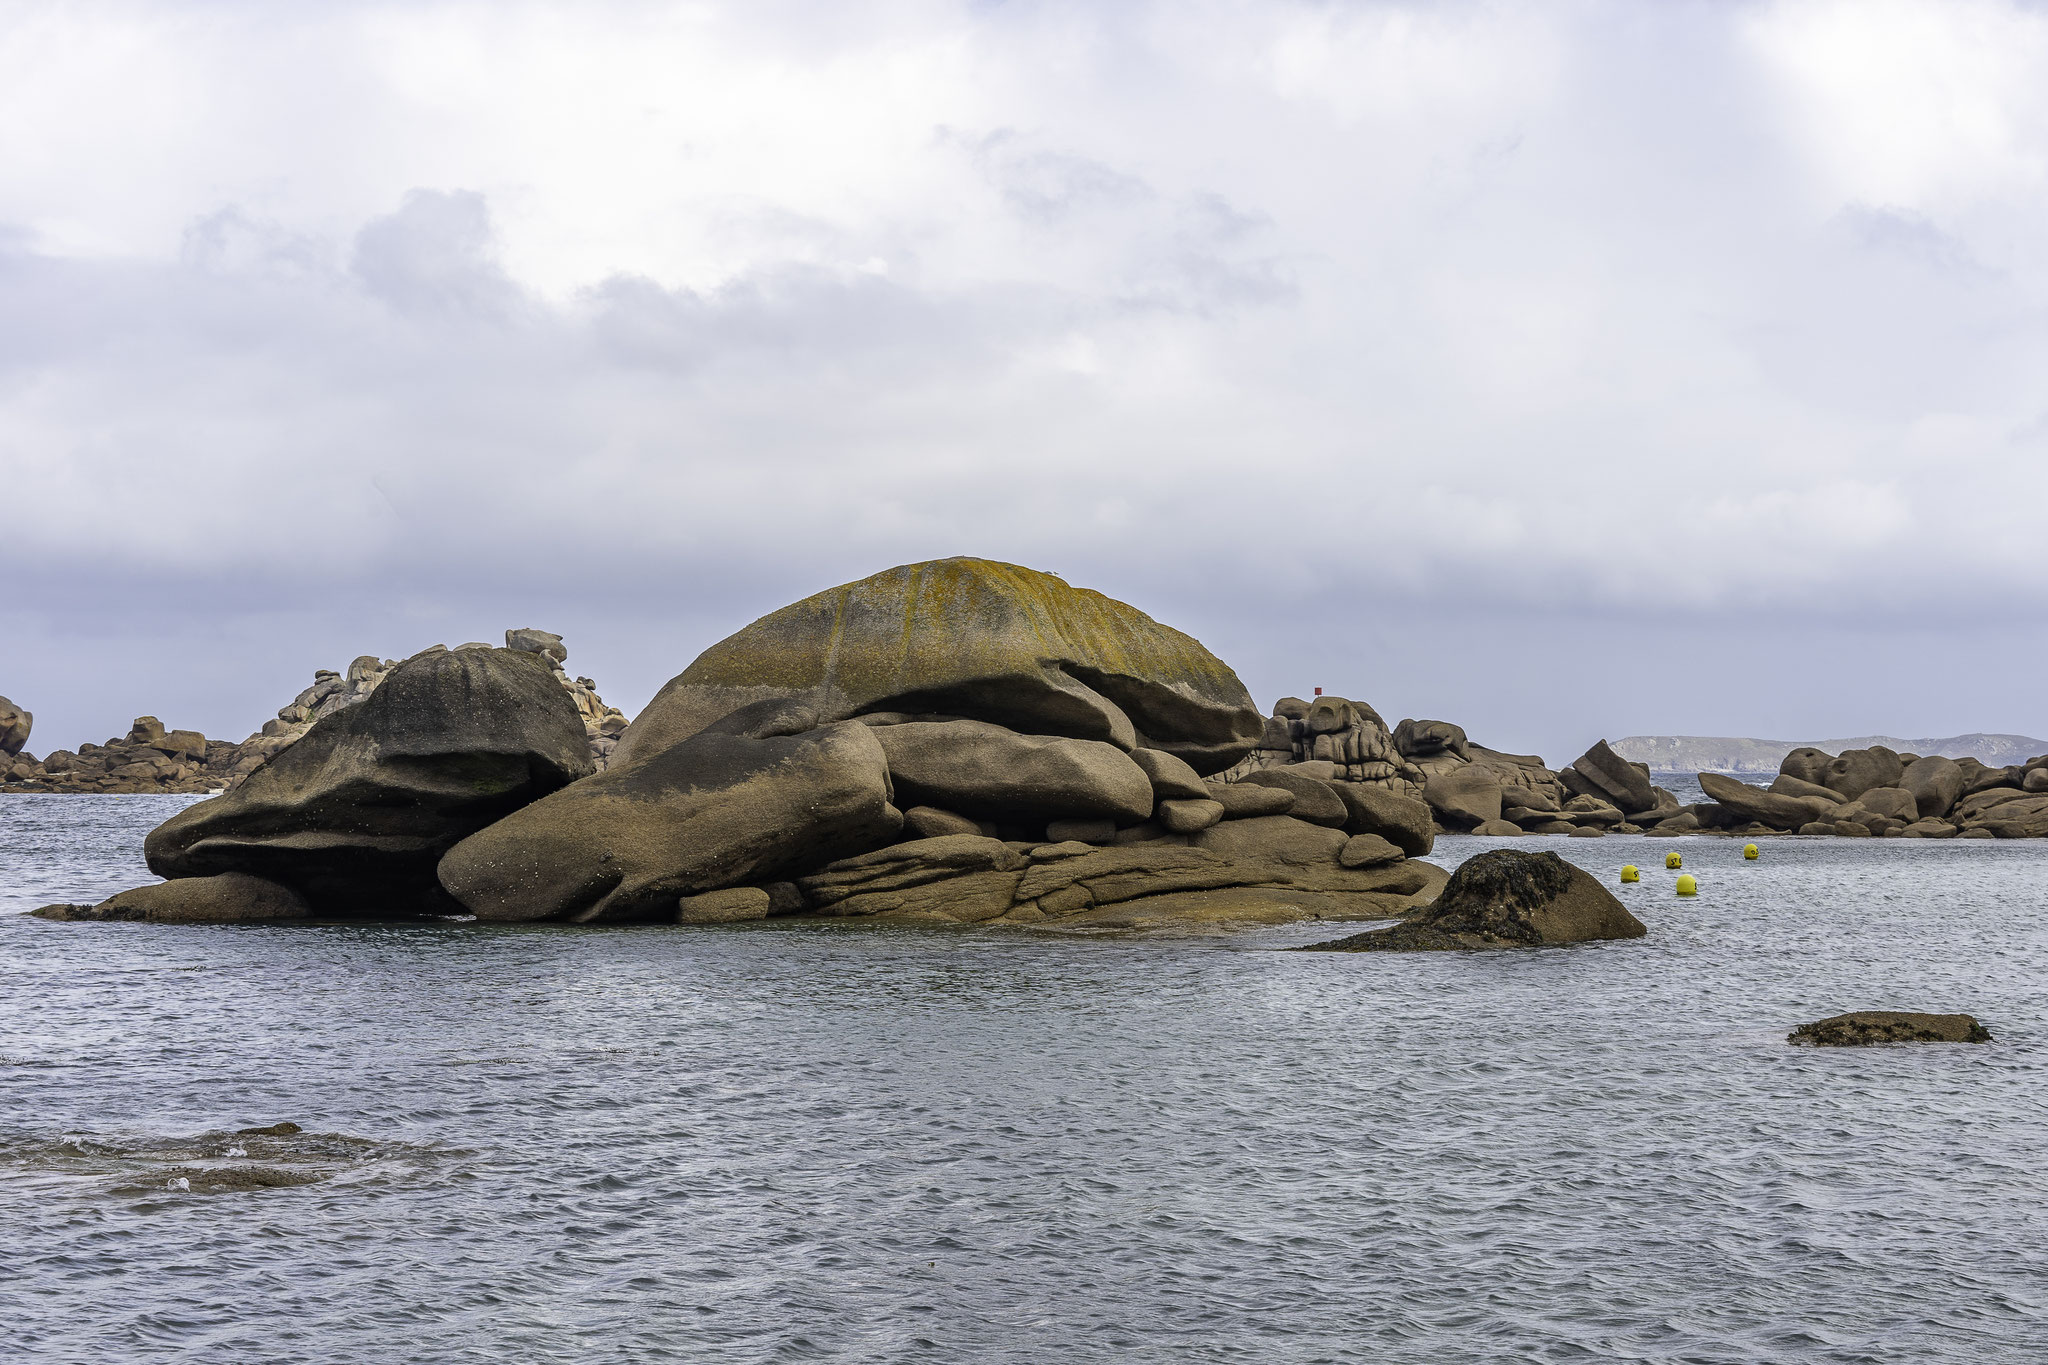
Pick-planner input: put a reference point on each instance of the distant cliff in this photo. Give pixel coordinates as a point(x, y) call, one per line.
point(1724, 754)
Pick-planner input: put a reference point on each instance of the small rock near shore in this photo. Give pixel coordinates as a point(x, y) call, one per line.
point(1863, 1028)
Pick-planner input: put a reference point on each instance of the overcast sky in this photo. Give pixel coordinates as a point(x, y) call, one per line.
point(1563, 370)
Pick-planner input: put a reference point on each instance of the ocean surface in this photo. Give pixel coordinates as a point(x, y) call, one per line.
point(786, 1142)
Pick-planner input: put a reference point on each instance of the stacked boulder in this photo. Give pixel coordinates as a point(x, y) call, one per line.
point(948, 742)
point(151, 759)
point(15, 725)
point(1878, 791)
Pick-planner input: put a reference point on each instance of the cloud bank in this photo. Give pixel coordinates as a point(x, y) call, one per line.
point(1560, 369)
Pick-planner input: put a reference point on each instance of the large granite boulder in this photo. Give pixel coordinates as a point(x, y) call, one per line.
point(15, 725)
point(1465, 797)
point(1601, 772)
point(355, 815)
point(1866, 1027)
point(1855, 771)
point(723, 808)
point(1426, 738)
point(986, 771)
point(1936, 784)
point(1806, 764)
point(974, 638)
point(1505, 899)
point(1401, 820)
point(1767, 808)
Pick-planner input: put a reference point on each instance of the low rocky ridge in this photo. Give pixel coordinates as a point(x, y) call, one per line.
point(1504, 899)
point(1066, 770)
point(151, 759)
point(1865, 1028)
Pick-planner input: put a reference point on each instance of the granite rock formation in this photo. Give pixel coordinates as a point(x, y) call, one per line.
point(1505, 899)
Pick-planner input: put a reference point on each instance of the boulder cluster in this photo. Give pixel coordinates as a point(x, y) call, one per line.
point(947, 742)
point(1876, 791)
point(151, 759)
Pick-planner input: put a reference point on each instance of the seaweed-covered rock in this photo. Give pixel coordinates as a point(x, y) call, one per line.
point(974, 638)
point(1505, 899)
point(1866, 1027)
point(355, 816)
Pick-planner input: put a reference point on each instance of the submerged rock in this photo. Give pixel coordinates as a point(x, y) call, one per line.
point(1865, 1027)
point(974, 638)
point(1505, 899)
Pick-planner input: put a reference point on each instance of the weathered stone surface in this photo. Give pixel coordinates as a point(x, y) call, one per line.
point(1315, 800)
point(15, 726)
point(730, 906)
point(1498, 829)
point(1866, 1027)
point(1465, 796)
point(977, 638)
point(1275, 838)
point(1081, 831)
point(1248, 800)
point(355, 816)
point(1189, 817)
point(1172, 779)
point(230, 898)
point(1936, 784)
point(1625, 784)
point(1506, 898)
point(527, 640)
point(1807, 765)
point(2023, 818)
point(1518, 801)
point(2036, 780)
point(929, 822)
point(1401, 820)
point(1367, 850)
point(718, 810)
point(1894, 803)
point(1930, 828)
point(1787, 785)
point(1423, 738)
point(1850, 829)
point(993, 773)
point(1754, 803)
point(1855, 771)
point(1978, 778)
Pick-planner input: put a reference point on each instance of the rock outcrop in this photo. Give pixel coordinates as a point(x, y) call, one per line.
point(975, 638)
point(15, 725)
point(229, 898)
point(1505, 899)
point(1866, 1027)
point(356, 815)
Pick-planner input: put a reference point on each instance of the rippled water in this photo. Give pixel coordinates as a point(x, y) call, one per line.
point(796, 1142)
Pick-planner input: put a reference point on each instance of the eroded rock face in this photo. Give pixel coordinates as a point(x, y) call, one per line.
point(992, 773)
point(1506, 899)
point(1867, 1027)
point(973, 638)
point(15, 725)
point(355, 816)
point(719, 810)
point(1769, 808)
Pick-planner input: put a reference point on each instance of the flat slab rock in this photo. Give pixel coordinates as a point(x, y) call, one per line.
point(1864, 1028)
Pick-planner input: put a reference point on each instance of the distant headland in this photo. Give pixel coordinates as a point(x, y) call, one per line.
point(1728, 754)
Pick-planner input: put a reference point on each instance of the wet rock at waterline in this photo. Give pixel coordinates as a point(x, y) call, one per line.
point(1865, 1028)
point(1505, 899)
point(356, 816)
point(229, 898)
point(977, 639)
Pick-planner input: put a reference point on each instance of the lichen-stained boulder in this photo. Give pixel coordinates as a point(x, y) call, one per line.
point(990, 772)
point(720, 809)
point(355, 816)
point(974, 638)
point(1505, 899)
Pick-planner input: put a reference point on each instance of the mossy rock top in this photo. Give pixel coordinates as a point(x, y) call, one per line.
point(975, 638)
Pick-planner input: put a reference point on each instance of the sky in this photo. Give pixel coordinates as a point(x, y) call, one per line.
point(1564, 370)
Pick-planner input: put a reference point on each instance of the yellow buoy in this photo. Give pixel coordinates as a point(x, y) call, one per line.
point(1687, 886)
point(1749, 851)
point(1629, 874)
point(1673, 860)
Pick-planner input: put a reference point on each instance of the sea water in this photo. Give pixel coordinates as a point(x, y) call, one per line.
point(800, 1142)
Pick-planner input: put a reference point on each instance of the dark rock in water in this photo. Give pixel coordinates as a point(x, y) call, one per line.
point(285, 1129)
point(718, 810)
point(730, 906)
point(228, 898)
point(996, 774)
point(1505, 899)
point(975, 638)
point(355, 815)
point(1865, 1027)
point(15, 725)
